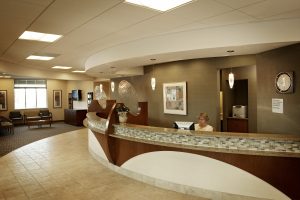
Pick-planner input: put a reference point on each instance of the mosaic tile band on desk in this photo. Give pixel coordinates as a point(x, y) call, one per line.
point(270, 147)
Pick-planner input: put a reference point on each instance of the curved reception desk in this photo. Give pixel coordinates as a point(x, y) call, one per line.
point(213, 165)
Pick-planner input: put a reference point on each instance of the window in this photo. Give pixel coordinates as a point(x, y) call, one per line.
point(30, 94)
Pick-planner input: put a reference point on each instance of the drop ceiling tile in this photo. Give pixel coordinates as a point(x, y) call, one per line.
point(271, 8)
point(200, 9)
point(234, 17)
point(230, 18)
point(238, 3)
point(287, 15)
point(122, 16)
point(22, 49)
point(65, 15)
point(37, 2)
point(15, 17)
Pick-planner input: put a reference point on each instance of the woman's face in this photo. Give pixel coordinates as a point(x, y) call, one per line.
point(202, 122)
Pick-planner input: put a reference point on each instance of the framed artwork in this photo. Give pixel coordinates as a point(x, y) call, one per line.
point(175, 98)
point(57, 99)
point(3, 99)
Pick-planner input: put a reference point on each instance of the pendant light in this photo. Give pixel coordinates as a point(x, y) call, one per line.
point(231, 75)
point(153, 79)
point(153, 83)
point(101, 88)
point(112, 86)
point(231, 79)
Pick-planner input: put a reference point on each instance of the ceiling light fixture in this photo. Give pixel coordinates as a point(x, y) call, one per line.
point(161, 5)
point(42, 37)
point(230, 51)
point(231, 79)
point(78, 71)
point(112, 86)
point(61, 67)
point(153, 79)
point(5, 76)
point(35, 57)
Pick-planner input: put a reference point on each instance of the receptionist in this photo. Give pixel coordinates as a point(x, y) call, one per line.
point(203, 123)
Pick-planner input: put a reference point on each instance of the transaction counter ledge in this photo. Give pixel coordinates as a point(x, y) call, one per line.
point(212, 165)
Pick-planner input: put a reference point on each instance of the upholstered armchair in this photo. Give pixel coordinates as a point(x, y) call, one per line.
point(16, 117)
point(45, 115)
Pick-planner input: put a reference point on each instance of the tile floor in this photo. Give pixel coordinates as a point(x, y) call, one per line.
point(60, 167)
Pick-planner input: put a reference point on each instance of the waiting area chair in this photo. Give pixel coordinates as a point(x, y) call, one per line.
point(45, 115)
point(6, 124)
point(16, 117)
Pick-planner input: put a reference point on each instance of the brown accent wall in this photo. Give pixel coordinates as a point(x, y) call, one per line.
point(269, 64)
point(202, 77)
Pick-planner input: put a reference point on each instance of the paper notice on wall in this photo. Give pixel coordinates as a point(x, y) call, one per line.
point(277, 105)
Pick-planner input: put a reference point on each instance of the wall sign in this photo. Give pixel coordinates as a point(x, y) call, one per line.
point(277, 105)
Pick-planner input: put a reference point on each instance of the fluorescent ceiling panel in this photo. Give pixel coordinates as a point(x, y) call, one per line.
point(61, 67)
point(161, 5)
point(42, 37)
point(34, 57)
point(78, 71)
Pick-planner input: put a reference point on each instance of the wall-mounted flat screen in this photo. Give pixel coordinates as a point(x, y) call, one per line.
point(76, 95)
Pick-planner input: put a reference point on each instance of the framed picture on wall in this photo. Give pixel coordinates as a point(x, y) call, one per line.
point(57, 98)
point(3, 100)
point(174, 95)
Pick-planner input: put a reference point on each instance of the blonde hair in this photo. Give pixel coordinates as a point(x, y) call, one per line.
point(205, 116)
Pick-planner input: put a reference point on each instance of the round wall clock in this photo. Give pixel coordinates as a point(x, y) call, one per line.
point(284, 82)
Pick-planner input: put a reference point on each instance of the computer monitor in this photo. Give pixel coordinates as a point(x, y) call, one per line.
point(184, 125)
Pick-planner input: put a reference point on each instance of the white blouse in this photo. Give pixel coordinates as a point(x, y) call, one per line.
point(206, 128)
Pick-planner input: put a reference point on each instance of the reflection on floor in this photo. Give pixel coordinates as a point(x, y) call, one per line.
point(61, 167)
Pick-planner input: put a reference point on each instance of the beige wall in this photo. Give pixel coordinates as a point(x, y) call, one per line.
point(58, 113)
point(65, 86)
point(85, 86)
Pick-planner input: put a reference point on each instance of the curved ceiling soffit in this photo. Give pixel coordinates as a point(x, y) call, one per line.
point(280, 31)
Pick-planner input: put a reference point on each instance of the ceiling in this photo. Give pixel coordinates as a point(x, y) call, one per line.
point(106, 37)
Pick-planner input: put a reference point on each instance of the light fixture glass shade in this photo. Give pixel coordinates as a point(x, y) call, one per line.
point(35, 57)
point(153, 83)
point(101, 88)
point(42, 37)
point(161, 5)
point(231, 80)
point(112, 86)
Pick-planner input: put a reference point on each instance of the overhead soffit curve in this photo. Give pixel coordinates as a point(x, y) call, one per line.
point(266, 35)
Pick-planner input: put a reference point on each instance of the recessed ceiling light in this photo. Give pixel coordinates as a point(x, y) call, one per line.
point(5, 76)
point(230, 51)
point(161, 5)
point(35, 57)
point(78, 71)
point(61, 67)
point(42, 37)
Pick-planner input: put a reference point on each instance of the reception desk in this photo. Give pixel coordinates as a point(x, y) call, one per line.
point(213, 165)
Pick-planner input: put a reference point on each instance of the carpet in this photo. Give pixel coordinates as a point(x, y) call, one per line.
point(23, 135)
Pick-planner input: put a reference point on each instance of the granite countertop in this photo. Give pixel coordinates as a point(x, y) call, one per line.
point(96, 123)
point(242, 143)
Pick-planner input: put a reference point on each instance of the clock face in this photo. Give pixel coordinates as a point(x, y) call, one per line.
point(283, 82)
